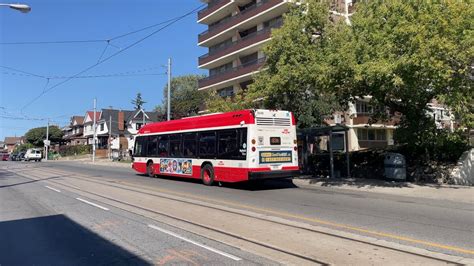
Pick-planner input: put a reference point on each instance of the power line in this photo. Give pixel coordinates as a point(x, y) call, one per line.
point(114, 54)
point(93, 40)
point(131, 73)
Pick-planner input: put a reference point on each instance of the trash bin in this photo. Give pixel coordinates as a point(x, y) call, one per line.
point(395, 166)
point(116, 156)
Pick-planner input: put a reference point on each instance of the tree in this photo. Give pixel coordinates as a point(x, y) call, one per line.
point(295, 74)
point(138, 101)
point(36, 136)
point(406, 53)
point(186, 99)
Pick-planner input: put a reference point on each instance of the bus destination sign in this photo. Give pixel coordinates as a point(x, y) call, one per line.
point(275, 157)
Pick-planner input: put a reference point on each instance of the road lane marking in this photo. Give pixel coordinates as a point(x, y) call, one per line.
point(222, 253)
point(303, 218)
point(93, 204)
point(57, 190)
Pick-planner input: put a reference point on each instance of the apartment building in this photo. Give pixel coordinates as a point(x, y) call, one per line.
point(237, 30)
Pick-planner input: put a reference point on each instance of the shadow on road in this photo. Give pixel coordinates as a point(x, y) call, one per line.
point(271, 184)
point(57, 240)
point(30, 181)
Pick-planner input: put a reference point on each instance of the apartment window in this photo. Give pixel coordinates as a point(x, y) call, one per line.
point(226, 92)
point(366, 108)
point(220, 46)
point(371, 134)
point(248, 59)
point(220, 69)
point(273, 23)
point(247, 32)
point(247, 6)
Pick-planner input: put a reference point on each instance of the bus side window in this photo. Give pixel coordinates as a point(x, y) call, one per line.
point(152, 149)
point(227, 144)
point(242, 134)
point(140, 146)
point(207, 144)
point(163, 146)
point(175, 146)
point(189, 145)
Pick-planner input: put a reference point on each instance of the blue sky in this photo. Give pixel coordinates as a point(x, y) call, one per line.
point(90, 20)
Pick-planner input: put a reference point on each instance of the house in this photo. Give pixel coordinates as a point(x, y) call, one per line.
point(74, 132)
point(11, 142)
point(119, 125)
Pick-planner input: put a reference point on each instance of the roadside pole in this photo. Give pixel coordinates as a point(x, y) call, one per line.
point(94, 129)
point(46, 145)
point(110, 137)
point(169, 90)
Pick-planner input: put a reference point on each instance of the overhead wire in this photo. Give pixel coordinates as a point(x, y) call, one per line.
point(171, 22)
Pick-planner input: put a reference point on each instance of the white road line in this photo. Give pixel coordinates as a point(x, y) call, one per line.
point(195, 243)
point(57, 190)
point(93, 204)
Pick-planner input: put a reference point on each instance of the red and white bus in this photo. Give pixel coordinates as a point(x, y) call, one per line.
point(223, 147)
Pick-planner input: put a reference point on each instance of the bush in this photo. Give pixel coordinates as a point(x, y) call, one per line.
point(74, 150)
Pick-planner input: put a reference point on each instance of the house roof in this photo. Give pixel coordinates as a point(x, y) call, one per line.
point(12, 140)
point(91, 115)
point(128, 116)
point(79, 120)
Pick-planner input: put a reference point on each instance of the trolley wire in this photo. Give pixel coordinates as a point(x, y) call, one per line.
point(171, 22)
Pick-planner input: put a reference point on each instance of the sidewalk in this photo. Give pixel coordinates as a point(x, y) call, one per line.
point(455, 193)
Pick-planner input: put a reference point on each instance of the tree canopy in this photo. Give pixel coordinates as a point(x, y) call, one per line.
point(402, 53)
point(138, 101)
point(186, 99)
point(36, 136)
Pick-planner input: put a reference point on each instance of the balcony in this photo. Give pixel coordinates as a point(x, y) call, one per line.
point(212, 7)
point(364, 119)
point(235, 46)
point(233, 22)
point(231, 75)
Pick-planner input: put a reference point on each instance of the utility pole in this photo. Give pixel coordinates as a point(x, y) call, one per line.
point(94, 129)
point(47, 142)
point(110, 137)
point(143, 113)
point(169, 89)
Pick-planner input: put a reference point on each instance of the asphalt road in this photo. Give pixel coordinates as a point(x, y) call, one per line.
point(49, 224)
point(440, 222)
point(42, 225)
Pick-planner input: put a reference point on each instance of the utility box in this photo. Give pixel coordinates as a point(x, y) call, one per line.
point(395, 166)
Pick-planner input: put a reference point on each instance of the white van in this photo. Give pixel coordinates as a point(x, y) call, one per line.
point(33, 155)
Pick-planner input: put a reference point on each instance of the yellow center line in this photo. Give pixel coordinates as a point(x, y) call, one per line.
point(304, 218)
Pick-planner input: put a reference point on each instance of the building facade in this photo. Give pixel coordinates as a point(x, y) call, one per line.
point(237, 30)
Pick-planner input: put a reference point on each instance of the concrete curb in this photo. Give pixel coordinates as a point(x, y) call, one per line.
point(454, 193)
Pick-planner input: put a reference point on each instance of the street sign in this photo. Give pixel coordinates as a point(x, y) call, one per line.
point(47, 142)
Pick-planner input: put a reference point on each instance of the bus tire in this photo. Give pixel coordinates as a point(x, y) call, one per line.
point(207, 175)
point(149, 169)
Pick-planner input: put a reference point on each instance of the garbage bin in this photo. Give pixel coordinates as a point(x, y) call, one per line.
point(116, 156)
point(395, 166)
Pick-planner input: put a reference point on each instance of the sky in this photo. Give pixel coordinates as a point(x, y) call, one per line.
point(139, 68)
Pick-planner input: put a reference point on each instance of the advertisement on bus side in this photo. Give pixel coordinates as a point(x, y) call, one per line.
point(176, 166)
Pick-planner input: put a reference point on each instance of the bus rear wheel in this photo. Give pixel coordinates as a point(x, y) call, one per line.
point(207, 175)
point(149, 169)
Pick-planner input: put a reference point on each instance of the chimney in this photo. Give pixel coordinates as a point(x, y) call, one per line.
point(121, 121)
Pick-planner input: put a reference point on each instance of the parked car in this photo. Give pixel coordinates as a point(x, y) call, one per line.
point(13, 156)
point(33, 155)
point(21, 156)
point(4, 156)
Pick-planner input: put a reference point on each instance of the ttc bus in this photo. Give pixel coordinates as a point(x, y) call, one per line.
point(224, 147)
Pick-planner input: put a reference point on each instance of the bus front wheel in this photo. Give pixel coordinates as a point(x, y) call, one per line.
point(149, 169)
point(207, 175)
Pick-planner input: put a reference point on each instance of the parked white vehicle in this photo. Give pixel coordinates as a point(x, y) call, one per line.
point(33, 155)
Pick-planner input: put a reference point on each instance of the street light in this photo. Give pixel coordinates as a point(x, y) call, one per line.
point(20, 7)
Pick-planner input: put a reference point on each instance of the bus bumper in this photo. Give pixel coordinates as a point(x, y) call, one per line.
point(273, 174)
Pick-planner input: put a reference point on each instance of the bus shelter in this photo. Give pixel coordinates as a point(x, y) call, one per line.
point(321, 140)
